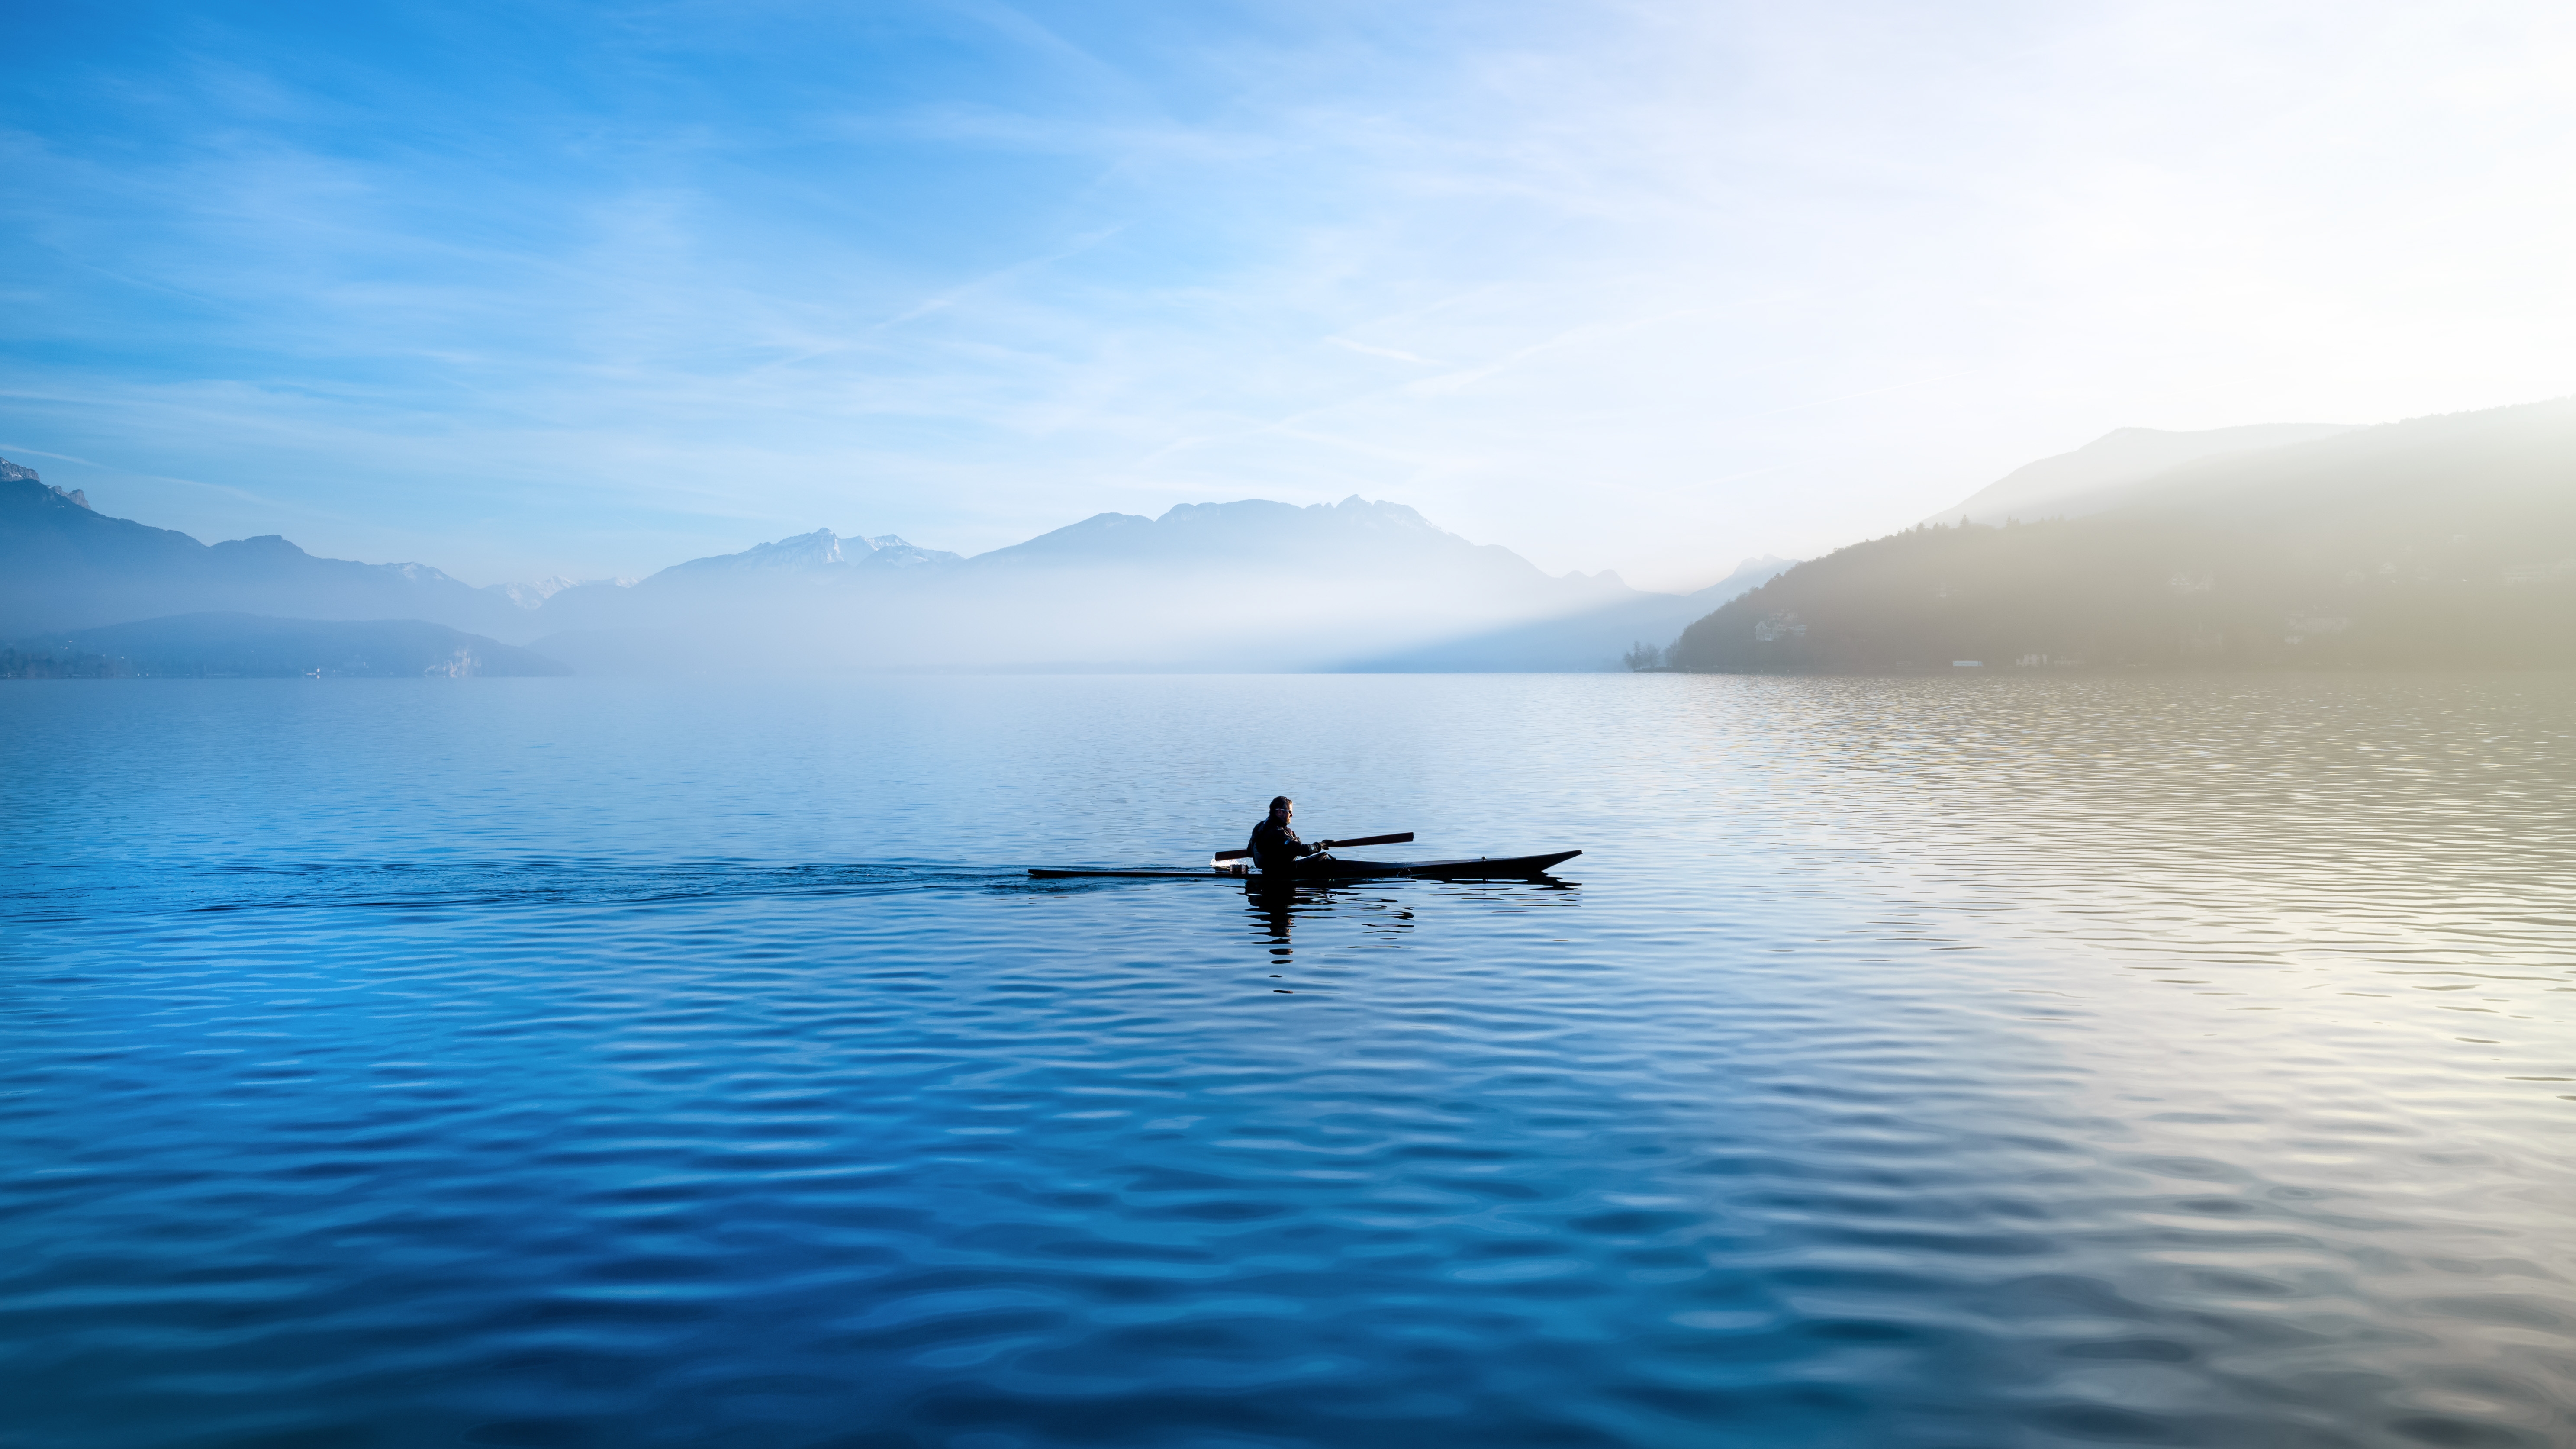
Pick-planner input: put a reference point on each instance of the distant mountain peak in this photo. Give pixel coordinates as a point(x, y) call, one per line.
point(535, 592)
point(822, 552)
point(893, 552)
point(805, 550)
point(801, 553)
point(63, 564)
point(2085, 480)
point(1384, 508)
point(1354, 539)
point(20, 473)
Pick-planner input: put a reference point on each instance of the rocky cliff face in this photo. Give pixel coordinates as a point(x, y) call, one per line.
point(20, 473)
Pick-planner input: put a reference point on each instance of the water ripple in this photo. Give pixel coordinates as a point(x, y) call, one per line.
point(2012, 1062)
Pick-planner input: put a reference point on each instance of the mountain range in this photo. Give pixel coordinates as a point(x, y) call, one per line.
point(66, 566)
point(1244, 585)
point(2437, 540)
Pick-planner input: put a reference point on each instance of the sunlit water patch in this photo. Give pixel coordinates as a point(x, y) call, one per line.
point(1946, 1062)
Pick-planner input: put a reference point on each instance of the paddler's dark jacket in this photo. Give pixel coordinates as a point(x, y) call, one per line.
point(1276, 847)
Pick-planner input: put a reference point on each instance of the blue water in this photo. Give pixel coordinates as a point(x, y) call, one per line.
point(1988, 1062)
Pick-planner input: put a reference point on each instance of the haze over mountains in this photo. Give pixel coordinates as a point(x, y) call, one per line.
point(1245, 585)
point(65, 566)
point(2436, 541)
point(254, 646)
point(2095, 476)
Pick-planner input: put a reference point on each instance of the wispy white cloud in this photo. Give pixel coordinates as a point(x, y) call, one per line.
point(17, 451)
point(1396, 354)
point(1623, 285)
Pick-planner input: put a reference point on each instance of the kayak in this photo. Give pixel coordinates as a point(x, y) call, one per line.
point(1497, 867)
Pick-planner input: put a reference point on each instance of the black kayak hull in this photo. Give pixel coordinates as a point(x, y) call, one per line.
point(1500, 867)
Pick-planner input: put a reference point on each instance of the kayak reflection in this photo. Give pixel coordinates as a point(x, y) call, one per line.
point(1276, 903)
point(1273, 900)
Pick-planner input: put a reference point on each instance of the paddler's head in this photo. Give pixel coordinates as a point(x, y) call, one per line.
point(1281, 807)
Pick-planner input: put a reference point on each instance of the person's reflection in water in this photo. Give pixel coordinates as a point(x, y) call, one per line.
point(1272, 898)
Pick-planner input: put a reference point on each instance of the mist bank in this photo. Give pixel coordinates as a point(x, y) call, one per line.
point(2435, 542)
point(1249, 585)
point(1596, 634)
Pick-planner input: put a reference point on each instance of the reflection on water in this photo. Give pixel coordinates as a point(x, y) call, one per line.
point(1939, 1062)
point(1385, 920)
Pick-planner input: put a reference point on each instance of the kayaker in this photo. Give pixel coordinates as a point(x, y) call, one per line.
point(1275, 846)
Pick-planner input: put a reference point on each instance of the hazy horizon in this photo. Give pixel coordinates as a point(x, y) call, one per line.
point(2439, 541)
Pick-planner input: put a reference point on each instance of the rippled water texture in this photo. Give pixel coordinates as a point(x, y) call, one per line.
point(1957, 1062)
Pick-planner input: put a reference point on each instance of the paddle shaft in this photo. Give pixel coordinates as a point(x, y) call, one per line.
point(1401, 838)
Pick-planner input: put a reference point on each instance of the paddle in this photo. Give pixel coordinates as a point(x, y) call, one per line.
point(1400, 839)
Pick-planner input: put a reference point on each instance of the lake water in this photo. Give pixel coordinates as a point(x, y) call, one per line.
point(1947, 1062)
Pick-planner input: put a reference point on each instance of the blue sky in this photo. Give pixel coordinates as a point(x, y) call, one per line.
point(537, 288)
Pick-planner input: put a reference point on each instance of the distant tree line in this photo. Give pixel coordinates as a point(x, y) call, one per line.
point(70, 664)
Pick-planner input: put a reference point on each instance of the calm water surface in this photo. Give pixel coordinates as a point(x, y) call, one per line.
point(1977, 1062)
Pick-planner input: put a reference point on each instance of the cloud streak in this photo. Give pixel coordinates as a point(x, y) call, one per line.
point(1632, 286)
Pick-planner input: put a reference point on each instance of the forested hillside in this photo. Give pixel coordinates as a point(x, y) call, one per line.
point(2130, 592)
point(2440, 541)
